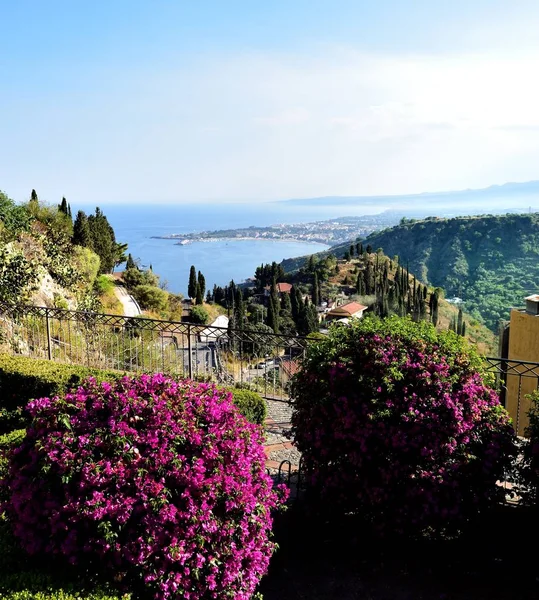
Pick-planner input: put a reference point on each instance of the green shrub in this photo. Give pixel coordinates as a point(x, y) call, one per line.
point(150, 297)
point(22, 379)
point(199, 315)
point(103, 284)
point(250, 404)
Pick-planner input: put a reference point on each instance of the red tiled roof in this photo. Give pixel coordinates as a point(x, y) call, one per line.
point(350, 309)
point(282, 287)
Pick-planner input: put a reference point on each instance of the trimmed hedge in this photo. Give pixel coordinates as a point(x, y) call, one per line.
point(250, 404)
point(23, 379)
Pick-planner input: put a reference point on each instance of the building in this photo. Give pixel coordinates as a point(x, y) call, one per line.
point(522, 345)
point(351, 310)
point(282, 288)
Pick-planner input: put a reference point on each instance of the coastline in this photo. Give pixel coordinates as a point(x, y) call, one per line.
point(188, 242)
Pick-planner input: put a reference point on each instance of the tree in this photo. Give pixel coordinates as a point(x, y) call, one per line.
point(199, 298)
point(119, 254)
point(316, 291)
point(192, 287)
point(150, 297)
point(433, 305)
point(62, 207)
point(81, 231)
point(33, 196)
point(202, 283)
point(352, 248)
point(130, 264)
point(103, 240)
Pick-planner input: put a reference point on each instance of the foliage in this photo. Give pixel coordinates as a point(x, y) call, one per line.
point(150, 297)
point(199, 315)
point(250, 404)
point(528, 466)
point(489, 261)
point(396, 424)
point(86, 263)
point(22, 379)
point(18, 275)
point(155, 480)
point(104, 284)
point(14, 218)
point(134, 277)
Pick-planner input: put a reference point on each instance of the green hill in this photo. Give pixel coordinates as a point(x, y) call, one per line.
point(491, 262)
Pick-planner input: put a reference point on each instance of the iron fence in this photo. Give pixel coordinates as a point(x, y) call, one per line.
point(258, 360)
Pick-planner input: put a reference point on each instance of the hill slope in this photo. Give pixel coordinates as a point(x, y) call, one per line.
point(491, 262)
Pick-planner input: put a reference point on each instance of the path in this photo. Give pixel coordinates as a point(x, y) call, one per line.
point(130, 305)
point(279, 446)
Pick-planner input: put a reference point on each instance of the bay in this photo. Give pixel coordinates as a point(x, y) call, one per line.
point(219, 261)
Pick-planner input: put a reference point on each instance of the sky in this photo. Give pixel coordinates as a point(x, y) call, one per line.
point(131, 101)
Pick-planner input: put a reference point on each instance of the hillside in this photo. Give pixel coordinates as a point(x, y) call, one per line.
point(491, 262)
point(386, 287)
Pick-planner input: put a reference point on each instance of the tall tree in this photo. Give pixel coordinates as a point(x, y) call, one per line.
point(316, 291)
point(130, 264)
point(201, 282)
point(103, 240)
point(62, 207)
point(199, 298)
point(33, 196)
point(192, 286)
point(81, 231)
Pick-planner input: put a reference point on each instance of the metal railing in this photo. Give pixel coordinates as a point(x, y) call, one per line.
point(258, 360)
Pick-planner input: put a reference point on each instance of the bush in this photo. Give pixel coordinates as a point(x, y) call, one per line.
point(155, 480)
point(199, 315)
point(250, 404)
point(396, 425)
point(150, 297)
point(23, 379)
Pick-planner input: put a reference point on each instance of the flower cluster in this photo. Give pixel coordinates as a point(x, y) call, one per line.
point(156, 479)
point(396, 424)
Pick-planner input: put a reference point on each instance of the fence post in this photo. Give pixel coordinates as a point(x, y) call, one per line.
point(190, 359)
point(49, 345)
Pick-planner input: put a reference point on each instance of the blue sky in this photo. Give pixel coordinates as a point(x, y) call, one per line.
point(155, 101)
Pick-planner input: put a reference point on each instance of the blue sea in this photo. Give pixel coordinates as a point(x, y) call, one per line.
point(218, 261)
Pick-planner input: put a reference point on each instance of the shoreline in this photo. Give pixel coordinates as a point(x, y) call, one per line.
point(188, 242)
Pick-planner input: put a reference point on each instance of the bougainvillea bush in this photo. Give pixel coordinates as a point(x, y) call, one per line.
point(396, 425)
point(157, 480)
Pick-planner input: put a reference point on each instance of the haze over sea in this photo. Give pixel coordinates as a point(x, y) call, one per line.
point(218, 261)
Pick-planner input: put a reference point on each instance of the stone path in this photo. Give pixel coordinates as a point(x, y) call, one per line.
point(279, 446)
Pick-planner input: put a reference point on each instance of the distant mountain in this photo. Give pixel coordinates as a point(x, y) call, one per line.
point(508, 192)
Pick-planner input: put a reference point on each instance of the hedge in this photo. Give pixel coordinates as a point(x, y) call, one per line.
point(250, 404)
point(23, 379)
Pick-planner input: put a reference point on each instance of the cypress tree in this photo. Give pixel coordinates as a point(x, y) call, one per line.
point(352, 248)
point(316, 291)
point(286, 302)
point(239, 310)
point(433, 305)
point(103, 240)
point(81, 231)
point(369, 249)
point(130, 263)
point(33, 196)
point(62, 207)
point(192, 286)
point(202, 283)
point(199, 298)
point(459, 322)
point(69, 211)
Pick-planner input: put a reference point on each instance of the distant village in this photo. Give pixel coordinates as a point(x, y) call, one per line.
point(332, 231)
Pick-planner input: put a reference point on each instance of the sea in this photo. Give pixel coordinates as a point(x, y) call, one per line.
point(219, 261)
